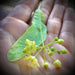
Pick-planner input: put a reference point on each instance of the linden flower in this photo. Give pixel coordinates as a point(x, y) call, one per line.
point(32, 61)
point(30, 47)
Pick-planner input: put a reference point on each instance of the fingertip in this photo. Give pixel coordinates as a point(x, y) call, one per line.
point(62, 2)
point(24, 9)
point(69, 14)
point(46, 7)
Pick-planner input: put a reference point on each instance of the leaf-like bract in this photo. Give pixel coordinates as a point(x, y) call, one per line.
point(36, 32)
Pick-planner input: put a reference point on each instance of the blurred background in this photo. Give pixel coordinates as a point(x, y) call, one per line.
point(7, 5)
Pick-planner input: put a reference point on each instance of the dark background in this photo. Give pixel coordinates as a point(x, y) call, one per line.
point(9, 2)
point(13, 2)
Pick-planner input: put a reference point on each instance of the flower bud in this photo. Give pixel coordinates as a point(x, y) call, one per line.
point(50, 53)
point(60, 41)
point(64, 51)
point(57, 64)
point(46, 65)
point(59, 52)
point(56, 39)
point(52, 48)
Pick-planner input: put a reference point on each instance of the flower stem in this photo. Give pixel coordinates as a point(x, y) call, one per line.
point(44, 55)
point(52, 58)
point(53, 42)
point(48, 48)
point(42, 47)
point(38, 52)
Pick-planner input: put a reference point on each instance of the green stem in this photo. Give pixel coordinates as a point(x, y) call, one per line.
point(56, 50)
point(38, 52)
point(44, 56)
point(52, 58)
point(51, 43)
point(39, 47)
point(48, 49)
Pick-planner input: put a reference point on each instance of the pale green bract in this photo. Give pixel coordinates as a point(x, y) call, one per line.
point(36, 32)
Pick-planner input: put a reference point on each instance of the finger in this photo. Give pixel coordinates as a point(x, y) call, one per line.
point(24, 9)
point(68, 30)
point(62, 2)
point(6, 41)
point(55, 22)
point(55, 19)
point(14, 26)
point(46, 7)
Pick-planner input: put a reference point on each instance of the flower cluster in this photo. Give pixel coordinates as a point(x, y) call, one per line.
point(31, 48)
point(32, 61)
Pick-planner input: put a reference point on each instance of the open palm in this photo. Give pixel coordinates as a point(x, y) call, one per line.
point(59, 21)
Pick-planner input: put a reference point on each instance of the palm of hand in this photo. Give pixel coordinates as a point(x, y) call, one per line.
point(15, 24)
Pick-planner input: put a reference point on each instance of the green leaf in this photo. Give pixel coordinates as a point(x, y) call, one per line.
point(36, 32)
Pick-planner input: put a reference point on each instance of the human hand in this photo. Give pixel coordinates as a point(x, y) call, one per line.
point(59, 21)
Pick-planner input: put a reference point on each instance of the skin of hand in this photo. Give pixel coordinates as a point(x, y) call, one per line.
point(60, 22)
